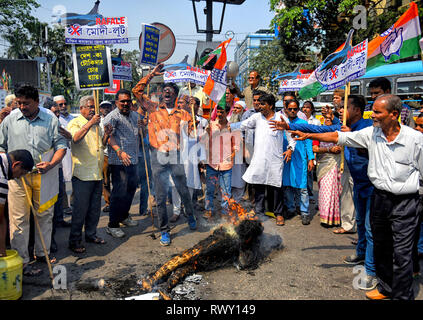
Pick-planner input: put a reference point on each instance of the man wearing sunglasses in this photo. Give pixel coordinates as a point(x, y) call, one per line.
point(254, 84)
point(123, 162)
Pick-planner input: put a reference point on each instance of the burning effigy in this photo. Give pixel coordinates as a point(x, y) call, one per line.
point(235, 243)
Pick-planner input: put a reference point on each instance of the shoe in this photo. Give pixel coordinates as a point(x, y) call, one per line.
point(280, 221)
point(353, 259)
point(367, 283)
point(106, 209)
point(129, 222)
point(174, 218)
point(207, 214)
point(192, 222)
point(375, 295)
point(165, 238)
point(63, 224)
point(115, 232)
point(305, 219)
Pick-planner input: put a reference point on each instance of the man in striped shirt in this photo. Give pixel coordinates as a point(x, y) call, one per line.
point(13, 165)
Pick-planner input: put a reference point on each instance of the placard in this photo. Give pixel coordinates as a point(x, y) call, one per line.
point(122, 71)
point(352, 68)
point(196, 75)
point(92, 67)
point(149, 49)
point(293, 84)
point(105, 31)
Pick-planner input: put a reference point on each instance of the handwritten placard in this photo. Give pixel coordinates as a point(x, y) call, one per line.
point(92, 67)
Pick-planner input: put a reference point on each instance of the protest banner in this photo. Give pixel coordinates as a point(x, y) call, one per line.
point(122, 71)
point(196, 75)
point(92, 67)
point(149, 49)
point(294, 84)
point(353, 67)
point(106, 31)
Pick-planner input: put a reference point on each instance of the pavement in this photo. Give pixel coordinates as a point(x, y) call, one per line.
point(308, 265)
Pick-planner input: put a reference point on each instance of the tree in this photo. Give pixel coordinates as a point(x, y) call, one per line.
point(15, 13)
point(270, 59)
point(324, 24)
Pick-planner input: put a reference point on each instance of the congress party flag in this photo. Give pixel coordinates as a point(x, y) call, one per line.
point(215, 86)
point(398, 42)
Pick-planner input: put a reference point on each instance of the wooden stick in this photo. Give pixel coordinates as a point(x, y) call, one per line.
point(192, 110)
point(344, 122)
point(37, 225)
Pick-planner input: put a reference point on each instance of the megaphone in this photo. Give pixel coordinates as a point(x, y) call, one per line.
point(232, 70)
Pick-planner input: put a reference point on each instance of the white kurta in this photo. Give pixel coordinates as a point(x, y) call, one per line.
point(192, 152)
point(267, 163)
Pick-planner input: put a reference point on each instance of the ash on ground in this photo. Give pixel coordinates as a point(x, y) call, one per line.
point(189, 289)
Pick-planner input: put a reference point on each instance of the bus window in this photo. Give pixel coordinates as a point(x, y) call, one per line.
point(410, 85)
point(355, 89)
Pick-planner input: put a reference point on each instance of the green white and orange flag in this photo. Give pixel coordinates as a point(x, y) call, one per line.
point(398, 42)
point(215, 86)
point(204, 61)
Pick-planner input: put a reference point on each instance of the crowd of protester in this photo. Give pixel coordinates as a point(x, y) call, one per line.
point(176, 152)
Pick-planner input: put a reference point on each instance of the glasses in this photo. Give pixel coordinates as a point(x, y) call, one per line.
point(62, 104)
point(125, 101)
point(251, 78)
point(90, 107)
point(292, 109)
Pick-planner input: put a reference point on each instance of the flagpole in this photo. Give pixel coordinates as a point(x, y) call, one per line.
point(192, 110)
point(97, 133)
point(344, 121)
point(37, 225)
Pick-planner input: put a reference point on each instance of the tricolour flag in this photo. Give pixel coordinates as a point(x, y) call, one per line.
point(215, 86)
point(207, 59)
point(398, 42)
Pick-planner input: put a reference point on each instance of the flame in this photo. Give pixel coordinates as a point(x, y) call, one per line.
point(237, 213)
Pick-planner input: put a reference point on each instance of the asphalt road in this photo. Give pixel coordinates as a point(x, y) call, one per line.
point(307, 265)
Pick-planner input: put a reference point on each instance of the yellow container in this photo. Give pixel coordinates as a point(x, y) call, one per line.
point(11, 268)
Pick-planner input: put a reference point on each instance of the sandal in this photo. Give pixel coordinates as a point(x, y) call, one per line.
point(77, 248)
point(96, 240)
point(280, 221)
point(341, 231)
point(43, 259)
point(31, 271)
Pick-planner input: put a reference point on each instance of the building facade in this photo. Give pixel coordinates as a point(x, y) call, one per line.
point(245, 49)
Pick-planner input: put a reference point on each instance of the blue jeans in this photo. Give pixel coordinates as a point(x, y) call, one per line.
point(142, 177)
point(217, 178)
point(365, 239)
point(124, 182)
point(420, 243)
point(161, 171)
point(297, 197)
point(86, 209)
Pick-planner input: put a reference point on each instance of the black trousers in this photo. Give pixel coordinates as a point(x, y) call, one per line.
point(274, 195)
point(394, 220)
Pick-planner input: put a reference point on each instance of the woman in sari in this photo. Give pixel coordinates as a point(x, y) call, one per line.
point(329, 181)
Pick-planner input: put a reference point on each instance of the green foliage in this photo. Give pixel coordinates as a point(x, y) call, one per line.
point(15, 13)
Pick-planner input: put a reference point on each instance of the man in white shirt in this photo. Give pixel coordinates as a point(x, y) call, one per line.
point(395, 163)
point(266, 167)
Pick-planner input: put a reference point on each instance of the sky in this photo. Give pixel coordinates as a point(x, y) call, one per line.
point(178, 15)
